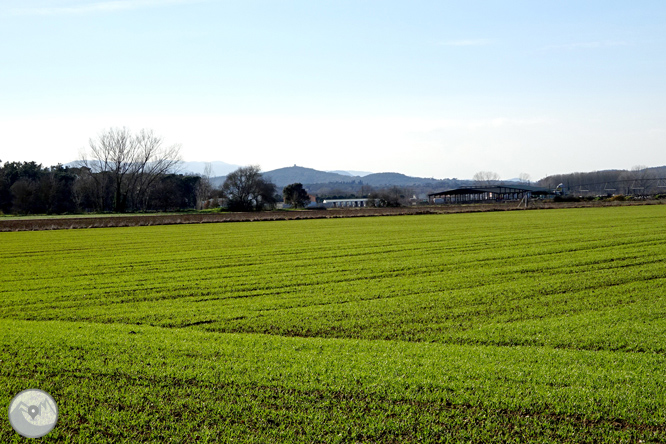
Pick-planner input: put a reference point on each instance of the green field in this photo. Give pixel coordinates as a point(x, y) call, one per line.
point(523, 326)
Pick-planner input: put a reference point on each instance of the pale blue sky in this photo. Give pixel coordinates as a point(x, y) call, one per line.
point(426, 88)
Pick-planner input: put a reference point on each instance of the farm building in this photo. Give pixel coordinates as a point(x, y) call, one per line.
point(345, 203)
point(497, 193)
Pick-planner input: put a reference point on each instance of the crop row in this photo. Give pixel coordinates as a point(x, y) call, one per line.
point(541, 326)
point(118, 382)
point(511, 280)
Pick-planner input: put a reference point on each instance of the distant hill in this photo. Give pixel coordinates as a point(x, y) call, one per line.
point(217, 181)
point(285, 176)
point(309, 176)
point(394, 179)
point(351, 173)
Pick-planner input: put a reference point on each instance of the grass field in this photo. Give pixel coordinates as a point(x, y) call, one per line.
point(529, 326)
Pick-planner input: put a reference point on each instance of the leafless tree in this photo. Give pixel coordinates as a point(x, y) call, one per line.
point(641, 175)
point(633, 181)
point(130, 162)
point(486, 178)
point(153, 161)
point(85, 191)
point(246, 190)
point(391, 197)
point(204, 187)
point(524, 177)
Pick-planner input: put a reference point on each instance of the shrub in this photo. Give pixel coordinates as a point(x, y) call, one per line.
point(566, 199)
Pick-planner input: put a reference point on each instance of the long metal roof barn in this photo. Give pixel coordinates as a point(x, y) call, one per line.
point(495, 193)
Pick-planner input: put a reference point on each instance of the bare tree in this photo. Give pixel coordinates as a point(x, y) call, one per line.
point(524, 177)
point(85, 192)
point(130, 162)
point(486, 178)
point(641, 175)
point(153, 161)
point(246, 190)
point(391, 197)
point(204, 187)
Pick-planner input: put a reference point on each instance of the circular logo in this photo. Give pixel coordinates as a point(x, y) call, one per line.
point(33, 413)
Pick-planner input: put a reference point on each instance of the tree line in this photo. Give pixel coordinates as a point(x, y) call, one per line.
point(123, 171)
point(30, 188)
point(639, 180)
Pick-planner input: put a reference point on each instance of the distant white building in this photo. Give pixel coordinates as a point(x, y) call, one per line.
point(345, 203)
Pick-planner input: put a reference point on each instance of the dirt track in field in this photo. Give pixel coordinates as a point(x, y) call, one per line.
point(137, 220)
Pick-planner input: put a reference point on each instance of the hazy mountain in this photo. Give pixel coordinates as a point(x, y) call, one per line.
point(351, 173)
point(219, 168)
point(217, 181)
